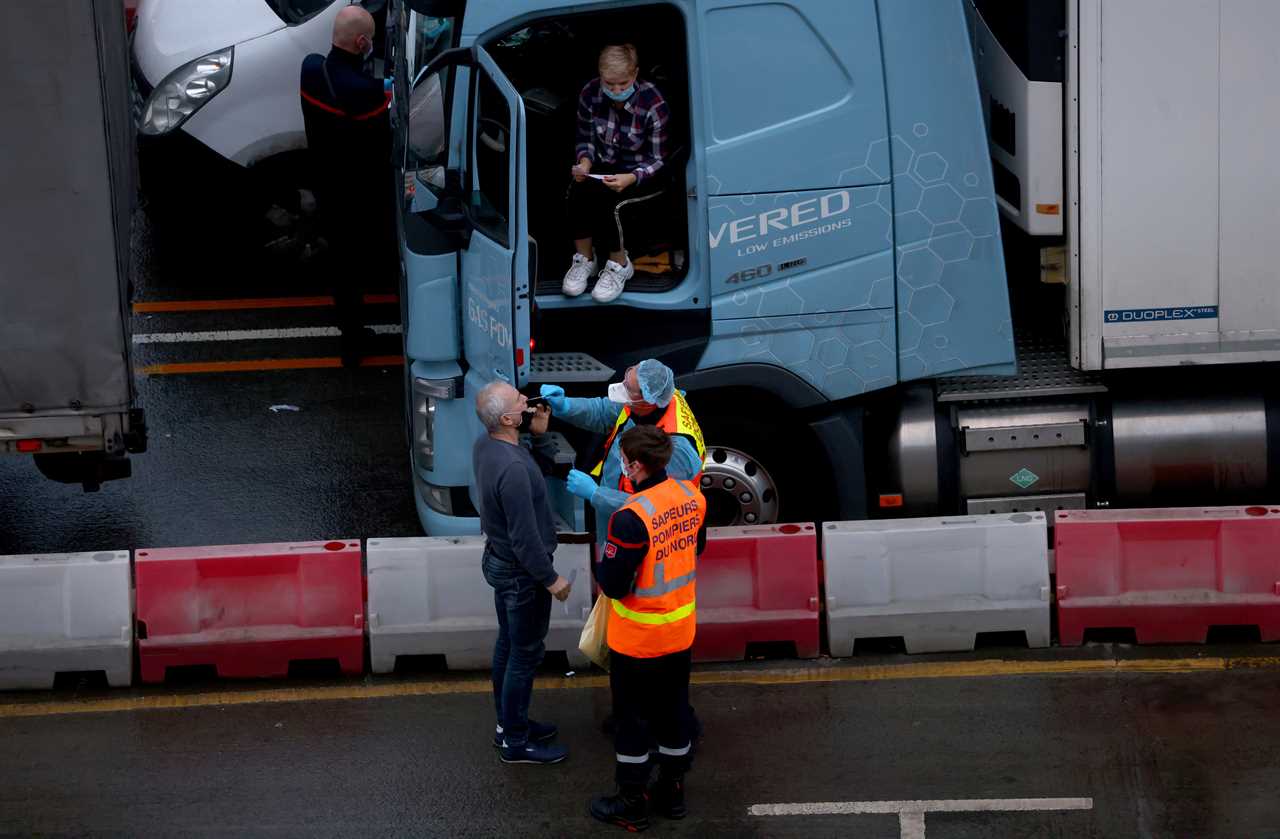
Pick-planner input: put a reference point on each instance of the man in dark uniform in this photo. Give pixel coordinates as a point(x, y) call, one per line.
point(346, 114)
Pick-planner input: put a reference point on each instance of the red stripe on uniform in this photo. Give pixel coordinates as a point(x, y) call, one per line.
point(325, 106)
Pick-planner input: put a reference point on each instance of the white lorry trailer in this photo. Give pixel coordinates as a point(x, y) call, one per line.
point(66, 384)
point(1131, 147)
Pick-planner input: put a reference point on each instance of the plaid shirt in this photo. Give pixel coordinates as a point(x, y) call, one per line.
point(632, 138)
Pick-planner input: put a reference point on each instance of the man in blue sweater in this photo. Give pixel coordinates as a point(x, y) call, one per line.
point(520, 540)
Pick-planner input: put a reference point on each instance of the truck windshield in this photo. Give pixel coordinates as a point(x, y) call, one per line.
point(294, 12)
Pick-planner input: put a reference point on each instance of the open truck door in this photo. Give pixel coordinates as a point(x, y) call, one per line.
point(465, 249)
point(465, 221)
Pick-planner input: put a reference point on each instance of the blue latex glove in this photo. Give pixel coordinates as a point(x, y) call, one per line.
point(554, 394)
point(581, 484)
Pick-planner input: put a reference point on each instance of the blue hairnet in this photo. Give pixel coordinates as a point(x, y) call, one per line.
point(657, 382)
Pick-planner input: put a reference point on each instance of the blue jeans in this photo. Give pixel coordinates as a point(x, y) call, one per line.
point(524, 615)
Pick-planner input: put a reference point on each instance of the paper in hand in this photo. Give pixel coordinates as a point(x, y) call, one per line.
point(573, 575)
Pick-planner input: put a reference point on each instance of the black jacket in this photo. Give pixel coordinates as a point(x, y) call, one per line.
point(346, 114)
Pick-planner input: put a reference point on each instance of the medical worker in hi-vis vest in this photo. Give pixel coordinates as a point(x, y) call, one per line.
point(646, 395)
point(648, 567)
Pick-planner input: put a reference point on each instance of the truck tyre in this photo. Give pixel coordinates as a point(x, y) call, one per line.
point(757, 472)
point(89, 469)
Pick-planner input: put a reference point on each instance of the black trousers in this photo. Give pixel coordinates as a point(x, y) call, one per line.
point(650, 698)
point(359, 224)
point(590, 206)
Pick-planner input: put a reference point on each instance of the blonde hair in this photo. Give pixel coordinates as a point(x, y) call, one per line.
point(619, 58)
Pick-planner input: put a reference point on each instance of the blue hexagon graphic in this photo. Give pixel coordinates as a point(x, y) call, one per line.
point(781, 300)
point(953, 248)
point(875, 162)
point(931, 167)
point(871, 217)
point(932, 305)
point(752, 335)
point(912, 366)
point(792, 347)
point(872, 356)
point(831, 352)
point(920, 268)
point(902, 156)
point(979, 216)
point(857, 176)
point(880, 295)
point(906, 194)
point(941, 204)
point(910, 331)
point(842, 383)
point(912, 228)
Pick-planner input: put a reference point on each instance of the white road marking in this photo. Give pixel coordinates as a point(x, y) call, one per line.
point(911, 813)
point(255, 334)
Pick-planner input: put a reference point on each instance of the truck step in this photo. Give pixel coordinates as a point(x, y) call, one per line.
point(1043, 370)
point(567, 367)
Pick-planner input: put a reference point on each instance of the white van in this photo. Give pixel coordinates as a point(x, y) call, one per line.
point(215, 84)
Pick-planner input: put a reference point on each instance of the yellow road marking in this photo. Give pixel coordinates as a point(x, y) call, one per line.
point(790, 676)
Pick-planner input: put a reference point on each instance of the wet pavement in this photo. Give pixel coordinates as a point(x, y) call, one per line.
point(222, 466)
point(1157, 754)
point(1177, 754)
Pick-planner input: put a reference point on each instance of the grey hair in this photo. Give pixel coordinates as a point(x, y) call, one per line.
point(491, 404)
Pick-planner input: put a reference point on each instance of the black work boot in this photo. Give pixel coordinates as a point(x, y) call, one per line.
point(625, 809)
point(667, 797)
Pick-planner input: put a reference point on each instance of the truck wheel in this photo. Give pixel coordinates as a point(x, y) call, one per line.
point(738, 489)
point(760, 473)
point(89, 469)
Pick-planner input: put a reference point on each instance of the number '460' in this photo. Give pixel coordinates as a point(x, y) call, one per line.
point(748, 274)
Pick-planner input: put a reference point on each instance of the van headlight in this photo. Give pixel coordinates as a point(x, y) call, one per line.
point(185, 91)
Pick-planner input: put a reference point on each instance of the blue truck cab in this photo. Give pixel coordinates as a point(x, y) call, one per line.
point(825, 239)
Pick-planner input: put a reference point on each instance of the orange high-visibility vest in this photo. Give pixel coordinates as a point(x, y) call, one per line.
point(659, 616)
point(677, 419)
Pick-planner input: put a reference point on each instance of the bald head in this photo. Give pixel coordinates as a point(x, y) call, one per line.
point(353, 30)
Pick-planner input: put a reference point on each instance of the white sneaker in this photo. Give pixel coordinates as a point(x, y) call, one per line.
point(578, 275)
point(612, 279)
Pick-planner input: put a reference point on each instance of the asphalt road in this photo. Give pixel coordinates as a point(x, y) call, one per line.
point(1177, 754)
point(222, 466)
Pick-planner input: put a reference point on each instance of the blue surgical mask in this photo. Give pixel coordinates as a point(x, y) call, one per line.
point(620, 97)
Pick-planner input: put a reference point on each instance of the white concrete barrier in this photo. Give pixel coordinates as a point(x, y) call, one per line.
point(936, 582)
point(428, 596)
point(62, 613)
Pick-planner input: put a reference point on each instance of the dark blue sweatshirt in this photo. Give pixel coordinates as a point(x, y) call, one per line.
point(515, 514)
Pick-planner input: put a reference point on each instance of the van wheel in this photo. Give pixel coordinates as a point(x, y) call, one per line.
point(760, 473)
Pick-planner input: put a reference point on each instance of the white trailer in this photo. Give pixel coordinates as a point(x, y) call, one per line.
point(1131, 144)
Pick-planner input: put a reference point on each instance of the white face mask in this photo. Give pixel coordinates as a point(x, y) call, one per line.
point(618, 393)
point(622, 459)
point(368, 50)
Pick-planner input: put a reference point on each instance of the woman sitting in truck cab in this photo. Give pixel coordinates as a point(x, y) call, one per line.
point(622, 138)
